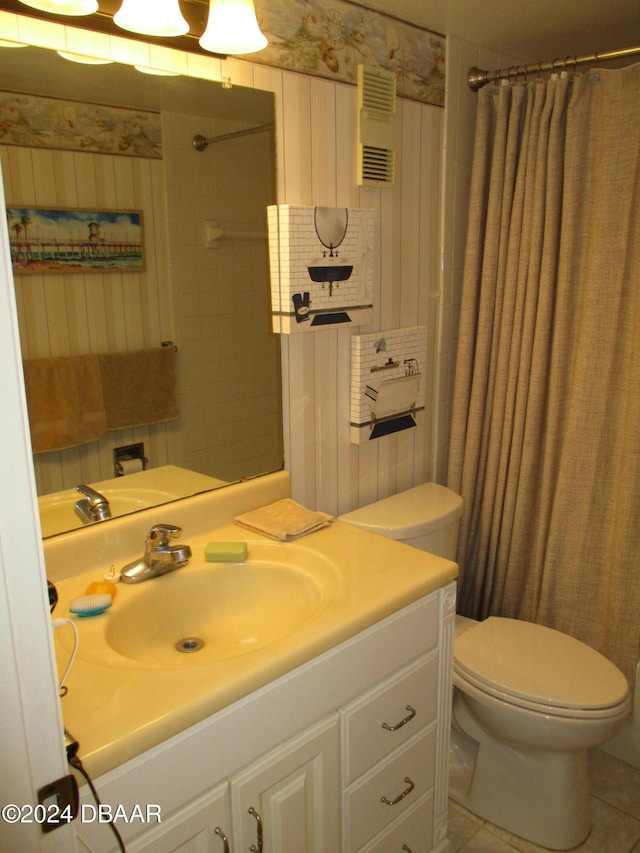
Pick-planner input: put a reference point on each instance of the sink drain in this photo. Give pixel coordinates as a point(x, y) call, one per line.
point(189, 644)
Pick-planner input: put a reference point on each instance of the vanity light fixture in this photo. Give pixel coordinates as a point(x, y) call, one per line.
point(64, 7)
point(232, 28)
point(151, 17)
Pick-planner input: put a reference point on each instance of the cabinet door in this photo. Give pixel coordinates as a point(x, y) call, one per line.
point(289, 801)
point(202, 826)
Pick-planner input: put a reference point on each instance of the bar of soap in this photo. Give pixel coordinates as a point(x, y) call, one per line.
point(226, 552)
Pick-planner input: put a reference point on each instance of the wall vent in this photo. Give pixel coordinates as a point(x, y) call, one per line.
point(377, 166)
point(376, 108)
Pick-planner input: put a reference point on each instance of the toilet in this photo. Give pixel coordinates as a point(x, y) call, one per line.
point(528, 701)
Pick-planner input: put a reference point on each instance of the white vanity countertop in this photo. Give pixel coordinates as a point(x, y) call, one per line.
point(117, 707)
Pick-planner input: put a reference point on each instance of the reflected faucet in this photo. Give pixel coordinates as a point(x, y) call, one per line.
point(93, 506)
point(159, 557)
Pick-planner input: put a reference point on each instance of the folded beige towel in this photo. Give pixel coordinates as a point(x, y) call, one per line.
point(139, 387)
point(284, 520)
point(64, 398)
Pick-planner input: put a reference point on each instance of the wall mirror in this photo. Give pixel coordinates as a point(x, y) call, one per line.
point(204, 278)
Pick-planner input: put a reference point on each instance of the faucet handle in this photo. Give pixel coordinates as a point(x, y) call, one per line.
point(160, 533)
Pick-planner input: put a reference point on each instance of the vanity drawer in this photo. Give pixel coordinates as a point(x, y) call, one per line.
point(391, 789)
point(414, 832)
point(388, 716)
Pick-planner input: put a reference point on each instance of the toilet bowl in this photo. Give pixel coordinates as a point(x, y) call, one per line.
point(528, 701)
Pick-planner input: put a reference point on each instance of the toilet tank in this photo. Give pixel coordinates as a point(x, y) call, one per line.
point(427, 517)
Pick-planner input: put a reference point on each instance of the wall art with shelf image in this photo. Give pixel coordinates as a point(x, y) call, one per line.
point(55, 240)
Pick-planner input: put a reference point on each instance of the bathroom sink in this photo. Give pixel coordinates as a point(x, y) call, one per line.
point(330, 272)
point(217, 611)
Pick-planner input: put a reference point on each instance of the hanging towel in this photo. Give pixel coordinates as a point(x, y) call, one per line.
point(64, 398)
point(139, 387)
point(284, 520)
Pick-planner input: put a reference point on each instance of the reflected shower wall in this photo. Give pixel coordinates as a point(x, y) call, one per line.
point(228, 381)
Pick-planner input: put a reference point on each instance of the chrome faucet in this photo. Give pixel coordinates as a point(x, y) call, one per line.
point(159, 557)
point(93, 506)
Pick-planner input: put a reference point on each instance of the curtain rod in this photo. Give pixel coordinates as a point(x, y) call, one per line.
point(477, 78)
point(200, 142)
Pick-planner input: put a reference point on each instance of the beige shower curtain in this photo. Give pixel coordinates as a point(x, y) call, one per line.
point(545, 445)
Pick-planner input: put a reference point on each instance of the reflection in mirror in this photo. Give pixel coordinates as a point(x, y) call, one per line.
point(65, 145)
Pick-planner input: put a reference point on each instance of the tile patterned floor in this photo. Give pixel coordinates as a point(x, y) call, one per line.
point(615, 810)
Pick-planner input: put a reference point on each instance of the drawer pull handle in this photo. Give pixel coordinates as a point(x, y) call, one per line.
point(253, 847)
point(223, 838)
point(407, 719)
point(401, 796)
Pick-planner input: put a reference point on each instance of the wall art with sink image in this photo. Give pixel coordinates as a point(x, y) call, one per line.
point(321, 262)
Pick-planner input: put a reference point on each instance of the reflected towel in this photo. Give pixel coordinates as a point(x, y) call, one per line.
point(139, 387)
point(64, 398)
point(284, 520)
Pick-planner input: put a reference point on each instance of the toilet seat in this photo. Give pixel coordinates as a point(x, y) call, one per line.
point(538, 668)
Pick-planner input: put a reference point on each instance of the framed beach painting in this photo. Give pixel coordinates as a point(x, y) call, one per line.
point(59, 240)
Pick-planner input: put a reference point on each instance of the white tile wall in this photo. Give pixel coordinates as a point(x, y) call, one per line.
point(230, 403)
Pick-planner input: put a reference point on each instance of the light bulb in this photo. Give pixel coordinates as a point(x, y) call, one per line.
point(83, 59)
point(232, 28)
point(151, 17)
point(156, 72)
point(64, 7)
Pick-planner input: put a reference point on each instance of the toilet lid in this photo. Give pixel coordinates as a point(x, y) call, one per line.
point(414, 512)
point(535, 665)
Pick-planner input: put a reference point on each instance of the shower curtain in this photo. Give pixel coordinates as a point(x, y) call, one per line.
point(545, 444)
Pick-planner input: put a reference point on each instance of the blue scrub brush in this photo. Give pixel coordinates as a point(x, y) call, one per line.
point(90, 605)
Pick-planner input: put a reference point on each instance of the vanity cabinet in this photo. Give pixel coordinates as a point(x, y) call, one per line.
point(348, 753)
point(287, 801)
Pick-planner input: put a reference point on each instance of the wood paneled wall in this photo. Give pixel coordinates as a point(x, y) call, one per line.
point(72, 314)
point(317, 165)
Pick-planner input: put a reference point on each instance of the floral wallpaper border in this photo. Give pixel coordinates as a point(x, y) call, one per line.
point(42, 122)
point(329, 38)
